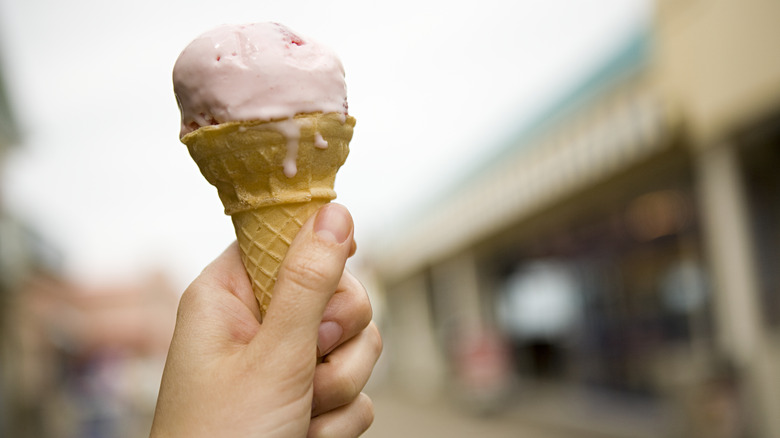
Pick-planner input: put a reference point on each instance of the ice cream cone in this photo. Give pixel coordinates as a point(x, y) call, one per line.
point(271, 177)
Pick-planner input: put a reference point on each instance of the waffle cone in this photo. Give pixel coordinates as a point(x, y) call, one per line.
point(246, 162)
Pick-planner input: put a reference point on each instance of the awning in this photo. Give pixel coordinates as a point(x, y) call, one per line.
point(591, 145)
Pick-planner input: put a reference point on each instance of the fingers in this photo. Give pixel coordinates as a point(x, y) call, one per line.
point(347, 421)
point(345, 371)
point(308, 278)
point(353, 248)
point(347, 313)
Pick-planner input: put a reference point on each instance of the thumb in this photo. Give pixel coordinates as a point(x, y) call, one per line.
point(308, 278)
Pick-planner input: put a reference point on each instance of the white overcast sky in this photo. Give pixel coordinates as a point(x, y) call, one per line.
point(434, 86)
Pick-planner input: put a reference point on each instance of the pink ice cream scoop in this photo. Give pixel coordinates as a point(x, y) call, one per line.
point(264, 116)
point(259, 71)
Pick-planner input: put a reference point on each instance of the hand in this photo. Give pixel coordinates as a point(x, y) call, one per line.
point(229, 376)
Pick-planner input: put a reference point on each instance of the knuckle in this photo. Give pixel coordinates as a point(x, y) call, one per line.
point(375, 338)
point(363, 314)
point(316, 429)
point(366, 310)
point(304, 273)
point(192, 298)
point(360, 304)
point(346, 384)
point(353, 384)
point(367, 411)
point(352, 421)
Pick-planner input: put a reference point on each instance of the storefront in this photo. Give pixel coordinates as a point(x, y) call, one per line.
point(626, 244)
point(759, 157)
point(605, 297)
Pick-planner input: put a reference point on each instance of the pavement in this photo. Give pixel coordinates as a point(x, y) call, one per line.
point(398, 415)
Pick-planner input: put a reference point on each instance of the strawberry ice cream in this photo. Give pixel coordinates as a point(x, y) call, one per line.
point(259, 71)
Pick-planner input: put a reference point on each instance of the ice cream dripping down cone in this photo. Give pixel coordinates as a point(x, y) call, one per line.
point(271, 176)
point(264, 114)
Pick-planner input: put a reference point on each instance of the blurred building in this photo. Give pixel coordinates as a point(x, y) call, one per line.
point(75, 361)
point(618, 262)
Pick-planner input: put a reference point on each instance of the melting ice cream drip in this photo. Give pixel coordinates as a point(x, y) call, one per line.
point(319, 141)
point(291, 130)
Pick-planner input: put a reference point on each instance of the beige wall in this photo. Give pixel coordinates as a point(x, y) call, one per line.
point(720, 60)
point(415, 357)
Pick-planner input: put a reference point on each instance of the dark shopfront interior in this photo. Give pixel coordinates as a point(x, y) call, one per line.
point(760, 160)
point(622, 273)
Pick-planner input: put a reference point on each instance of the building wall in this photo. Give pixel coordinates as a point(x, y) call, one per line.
point(718, 59)
point(644, 190)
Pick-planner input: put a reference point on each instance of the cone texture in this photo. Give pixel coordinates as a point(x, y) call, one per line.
point(245, 162)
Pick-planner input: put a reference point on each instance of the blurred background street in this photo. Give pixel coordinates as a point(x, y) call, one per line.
point(397, 416)
point(566, 212)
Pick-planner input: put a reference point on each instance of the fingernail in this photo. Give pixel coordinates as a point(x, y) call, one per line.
point(333, 223)
point(330, 332)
